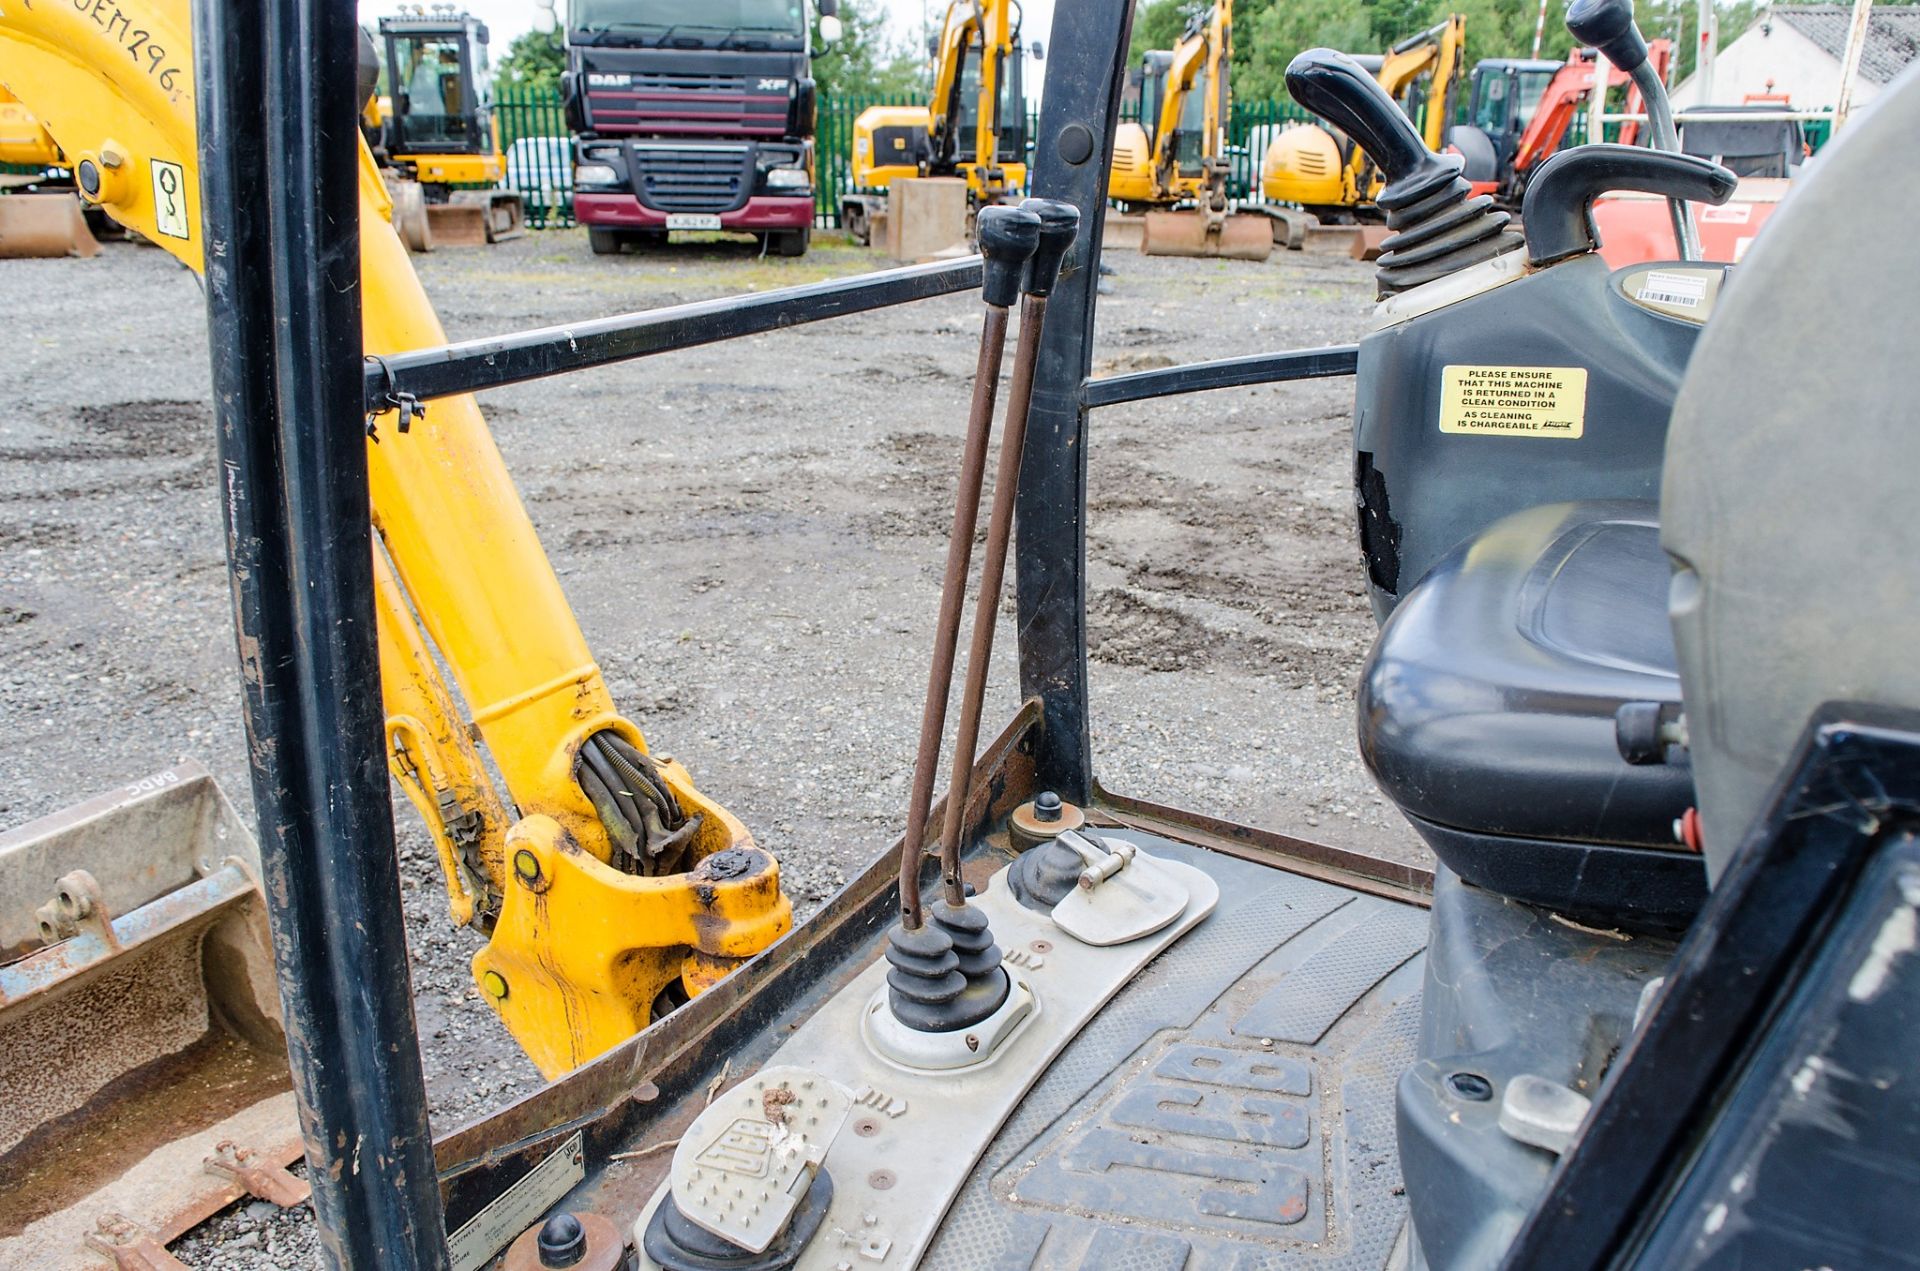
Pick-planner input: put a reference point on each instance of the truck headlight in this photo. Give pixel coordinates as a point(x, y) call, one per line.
point(787, 179)
point(595, 174)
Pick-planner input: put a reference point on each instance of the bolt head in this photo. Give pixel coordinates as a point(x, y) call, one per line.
point(527, 866)
point(495, 984)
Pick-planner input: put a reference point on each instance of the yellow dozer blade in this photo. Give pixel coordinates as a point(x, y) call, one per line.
point(1194, 232)
point(143, 1071)
point(39, 225)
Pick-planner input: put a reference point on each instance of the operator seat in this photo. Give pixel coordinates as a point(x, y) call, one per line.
point(1487, 713)
point(1522, 590)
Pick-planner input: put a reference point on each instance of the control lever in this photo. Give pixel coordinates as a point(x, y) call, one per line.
point(946, 975)
point(1008, 239)
point(1440, 227)
point(1559, 205)
point(1608, 25)
point(1059, 224)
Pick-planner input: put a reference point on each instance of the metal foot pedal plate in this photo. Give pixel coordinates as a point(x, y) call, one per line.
point(915, 1137)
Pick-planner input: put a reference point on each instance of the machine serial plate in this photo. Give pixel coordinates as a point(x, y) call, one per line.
point(514, 1210)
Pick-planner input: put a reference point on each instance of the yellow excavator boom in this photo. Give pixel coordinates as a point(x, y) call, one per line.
point(595, 869)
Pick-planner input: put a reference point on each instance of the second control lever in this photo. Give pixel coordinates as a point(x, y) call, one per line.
point(1608, 25)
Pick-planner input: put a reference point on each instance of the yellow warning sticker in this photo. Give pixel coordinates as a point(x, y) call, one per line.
point(1514, 401)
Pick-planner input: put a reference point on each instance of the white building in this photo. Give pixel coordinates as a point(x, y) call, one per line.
point(1796, 48)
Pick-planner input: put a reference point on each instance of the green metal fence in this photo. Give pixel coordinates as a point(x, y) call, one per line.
point(539, 150)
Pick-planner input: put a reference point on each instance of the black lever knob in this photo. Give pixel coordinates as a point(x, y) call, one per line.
point(1558, 212)
point(1608, 25)
point(1339, 90)
point(1008, 238)
point(1059, 226)
point(1440, 226)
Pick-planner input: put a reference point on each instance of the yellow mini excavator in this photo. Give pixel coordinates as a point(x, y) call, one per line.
point(1324, 172)
point(434, 132)
point(1178, 170)
point(609, 886)
point(975, 127)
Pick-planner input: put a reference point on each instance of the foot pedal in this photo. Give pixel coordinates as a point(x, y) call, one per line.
point(1122, 893)
point(746, 1165)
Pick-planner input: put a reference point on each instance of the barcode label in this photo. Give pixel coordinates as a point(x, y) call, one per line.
point(1683, 291)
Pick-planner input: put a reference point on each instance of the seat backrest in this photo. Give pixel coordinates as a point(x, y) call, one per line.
point(1793, 459)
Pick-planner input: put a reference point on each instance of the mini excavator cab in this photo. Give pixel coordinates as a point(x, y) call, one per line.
point(438, 82)
point(1126, 1034)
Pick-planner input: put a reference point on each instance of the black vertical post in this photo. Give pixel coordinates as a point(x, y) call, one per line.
point(1086, 65)
point(280, 214)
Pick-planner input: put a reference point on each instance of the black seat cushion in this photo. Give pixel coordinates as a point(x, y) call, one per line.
point(1487, 712)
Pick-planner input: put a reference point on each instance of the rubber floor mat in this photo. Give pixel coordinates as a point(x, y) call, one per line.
point(1232, 1108)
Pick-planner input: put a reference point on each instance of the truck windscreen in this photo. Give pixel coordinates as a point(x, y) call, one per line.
point(713, 24)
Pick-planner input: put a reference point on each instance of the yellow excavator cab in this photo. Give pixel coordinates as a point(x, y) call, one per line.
point(889, 144)
point(436, 129)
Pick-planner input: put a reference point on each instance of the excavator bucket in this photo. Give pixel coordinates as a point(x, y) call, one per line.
point(38, 225)
point(143, 1071)
point(470, 218)
point(1193, 233)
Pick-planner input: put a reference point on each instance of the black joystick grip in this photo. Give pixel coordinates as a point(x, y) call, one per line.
point(1607, 25)
point(1439, 225)
point(1008, 237)
point(1558, 213)
point(1059, 225)
point(1339, 90)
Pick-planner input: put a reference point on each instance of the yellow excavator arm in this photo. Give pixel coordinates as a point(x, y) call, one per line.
point(1434, 52)
point(1199, 64)
point(598, 870)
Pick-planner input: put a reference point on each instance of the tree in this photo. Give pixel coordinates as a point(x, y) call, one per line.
point(533, 60)
point(865, 62)
point(1158, 24)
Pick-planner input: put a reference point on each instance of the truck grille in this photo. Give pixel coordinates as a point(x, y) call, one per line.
point(693, 178)
point(665, 103)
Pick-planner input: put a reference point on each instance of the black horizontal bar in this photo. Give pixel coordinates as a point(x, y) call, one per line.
point(472, 365)
point(1228, 372)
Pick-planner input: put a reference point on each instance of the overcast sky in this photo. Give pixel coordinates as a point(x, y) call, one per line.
point(506, 19)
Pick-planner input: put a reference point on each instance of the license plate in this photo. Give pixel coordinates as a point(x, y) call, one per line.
point(692, 220)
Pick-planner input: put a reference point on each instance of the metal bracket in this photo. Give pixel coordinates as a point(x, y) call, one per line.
point(259, 1176)
point(131, 1246)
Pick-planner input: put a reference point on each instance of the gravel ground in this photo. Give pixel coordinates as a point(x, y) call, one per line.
point(751, 537)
